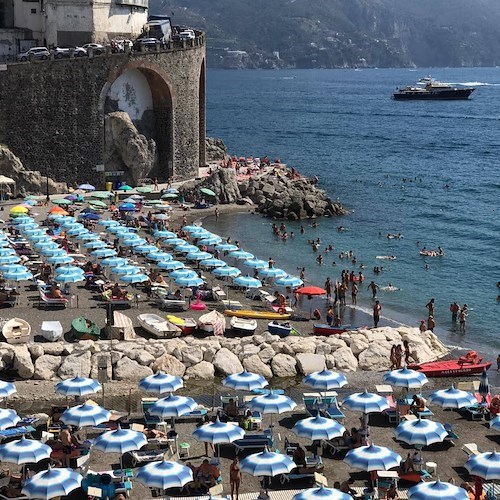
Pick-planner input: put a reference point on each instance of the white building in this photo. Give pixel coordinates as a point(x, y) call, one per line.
point(67, 23)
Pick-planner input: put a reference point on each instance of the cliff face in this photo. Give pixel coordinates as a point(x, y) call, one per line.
point(343, 33)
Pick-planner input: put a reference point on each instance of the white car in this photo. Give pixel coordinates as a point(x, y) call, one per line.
point(60, 52)
point(37, 52)
point(97, 48)
point(187, 35)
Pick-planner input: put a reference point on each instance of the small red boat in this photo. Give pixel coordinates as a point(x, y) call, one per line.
point(470, 364)
point(327, 330)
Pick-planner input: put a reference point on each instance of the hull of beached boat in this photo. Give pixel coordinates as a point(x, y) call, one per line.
point(212, 322)
point(51, 330)
point(281, 330)
point(450, 368)
point(244, 326)
point(326, 330)
point(187, 325)
point(241, 313)
point(17, 331)
point(158, 326)
point(84, 329)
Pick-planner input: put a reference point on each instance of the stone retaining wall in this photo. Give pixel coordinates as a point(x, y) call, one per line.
point(193, 358)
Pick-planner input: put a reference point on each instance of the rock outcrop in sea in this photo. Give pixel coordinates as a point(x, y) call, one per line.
point(194, 358)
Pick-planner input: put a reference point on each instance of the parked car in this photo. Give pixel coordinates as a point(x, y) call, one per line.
point(187, 35)
point(147, 43)
point(97, 48)
point(119, 45)
point(60, 52)
point(38, 53)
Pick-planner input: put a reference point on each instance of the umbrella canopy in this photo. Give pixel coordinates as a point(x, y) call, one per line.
point(245, 381)
point(213, 262)
point(272, 403)
point(164, 234)
point(127, 207)
point(207, 191)
point(8, 418)
point(9, 259)
point(219, 432)
point(372, 458)
point(484, 385)
point(120, 441)
point(58, 210)
point(102, 194)
point(103, 252)
point(60, 259)
point(13, 268)
point(241, 255)
point(317, 428)
point(160, 383)
point(272, 272)
point(210, 240)
point(125, 269)
point(247, 282)
point(437, 490)
point(405, 377)
point(95, 244)
point(69, 278)
point(186, 248)
point(164, 475)
point(86, 187)
point(170, 265)
point(97, 203)
point(24, 451)
point(159, 256)
point(173, 406)
point(311, 290)
point(85, 415)
point(78, 386)
point(145, 249)
point(62, 201)
point(226, 247)
point(322, 493)
point(198, 256)
point(25, 276)
point(366, 402)
point(69, 270)
point(256, 263)
point(19, 209)
point(452, 398)
point(495, 423)
point(267, 463)
point(90, 216)
point(484, 465)
point(184, 273)
point(52, 483)
point(325, 380)
point(133, 242)
point(231, 272)
point(189, 281)
point(125, 187)
point(7, 389)
point(134, 278)
point(113, 262)
point(144, 189)
point(421, 432)
point(168, 196)
point(289, 281)
point(174, 241)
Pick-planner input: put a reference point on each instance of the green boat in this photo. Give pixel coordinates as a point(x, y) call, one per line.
point(84, 329)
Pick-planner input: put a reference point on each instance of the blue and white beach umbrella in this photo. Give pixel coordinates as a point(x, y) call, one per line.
point(134, 278)
point(131, 242)
point(145, 249)
point(164, 475)
point(85, 415)
point(213, 262)
point(495, 423)
point(289, 281)
point(9, 259)
point(172, 406)
point(219, 432)
point(120, 441)
point(325, 380)
point(159, 256)
point(160, 383)
point(484, 465)
point(322, 493)
point(172, 242)
point(186, 248)
point(52, 483)
point(452, 398)
point(372, 458)
point(13, 268)
point(69, 278)
point(164, 234)
point(8, 418)
point(6, 252)
point(210, 240)
point(7, 389)
point(245, 381)
point(88, 237)
point(197, 256)
point(183, 273)
point(113, 262)
point(76, 231)
point(125, 269)
point(189, 281)
point(256, 263)
point(241, 255)
point(317, 428)
point(421, 432)
point(272, 272)
point(192, 229)
point(226, 271)
point(170, 265)
point(78, 386)
point(366, 402)
point(103, 252)
point(94, 244)
point(226, 247)
point(404, 377)
point(60, 259)
point(53, 251)
point(437, 490)
point(108, 223)
point(69, 270)
point(272, 403)
point(25, 276)
point(247, 282)
point(267, 463)
point(24, 451)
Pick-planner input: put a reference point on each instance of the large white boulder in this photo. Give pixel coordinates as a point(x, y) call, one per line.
point(74, 365)
point(376, 358)
point(309, 363)
point(46, 367)
point(267, 354)
point(283, 365)
point(169, 364)
point(6, 358)
point(255, 365)
point(345, 360)
point(36, 350)
point(203, 370)
point(335, 342)
point(54, 348)
point(226, 362)
point(22, 361)
point(358, 344)
point(131, 371)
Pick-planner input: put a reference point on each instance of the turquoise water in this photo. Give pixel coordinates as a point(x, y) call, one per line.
point(342, 126)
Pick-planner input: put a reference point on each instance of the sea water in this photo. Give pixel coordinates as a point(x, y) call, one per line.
point(426, 169)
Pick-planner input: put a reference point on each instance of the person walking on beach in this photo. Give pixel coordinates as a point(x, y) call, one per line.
point(217, 213)
point(455, 309)
point(374, 287)
point(430, 306)
point(376, 313)
point(354, 293)
point(235, 478)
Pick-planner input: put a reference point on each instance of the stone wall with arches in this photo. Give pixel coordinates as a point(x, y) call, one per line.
point(52, 112)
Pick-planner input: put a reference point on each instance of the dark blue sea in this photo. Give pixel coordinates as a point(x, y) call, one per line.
point(343, 126)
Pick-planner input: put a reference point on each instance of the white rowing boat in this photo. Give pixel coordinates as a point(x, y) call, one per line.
point(242, 325)
point(157, 326)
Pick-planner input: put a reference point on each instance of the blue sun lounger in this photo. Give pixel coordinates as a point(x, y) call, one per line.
point(16, 432)
point(333, 411)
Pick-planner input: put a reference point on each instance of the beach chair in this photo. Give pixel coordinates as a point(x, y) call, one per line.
point(335, 446)
point(311, 400)
point(452, 435)
point(470, 449)
point(146, 404)
point(218, 293)
point(333, 411)
point(50, 302)
point(254, 442)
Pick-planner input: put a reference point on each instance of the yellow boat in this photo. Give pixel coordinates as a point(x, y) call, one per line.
point(187, 325)
point(256, 314)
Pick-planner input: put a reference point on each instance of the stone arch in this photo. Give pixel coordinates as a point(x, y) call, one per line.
point(160, 123)
point(202, 114)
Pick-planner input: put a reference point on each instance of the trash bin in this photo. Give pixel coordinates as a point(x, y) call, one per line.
point(109, 186)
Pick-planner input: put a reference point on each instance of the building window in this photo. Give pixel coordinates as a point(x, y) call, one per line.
point(33, 11)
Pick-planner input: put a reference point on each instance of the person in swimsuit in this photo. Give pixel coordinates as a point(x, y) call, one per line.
point(430, 306)
point(376, 313)
point(235, 478)
point(374, 287)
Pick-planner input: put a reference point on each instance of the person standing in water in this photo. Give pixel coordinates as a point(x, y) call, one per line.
point(376, 313)
point(455, 309)
point(430, 306)
point(354, 293)
point(374, 287)
point(462, 317)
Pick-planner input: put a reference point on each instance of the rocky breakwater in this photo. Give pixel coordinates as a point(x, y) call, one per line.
point(206, 358)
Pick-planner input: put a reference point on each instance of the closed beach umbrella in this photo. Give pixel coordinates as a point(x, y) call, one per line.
point(24, 451)
point(325, 380)
point(172, 406)
point(245, 381)
point(272, 403)
point(421, 432)
point(227, 271)
point(318, 428)
point(452, 398)
point(289, 281)
point(322, 493)
point(219, 432)
point(437, 490)
point(85, 415)
point(7, 389)
point(52, 483)
point(159, 256)
point(247, 282)
point(272, 272)
point(126, 269)
point(241, 255)
point(164, 475)
point(267, 463)
point(160, 383)
point(8, 418)
point(366, 402)
point(78, 386)
point(113, 262)
point(372, 458)
point(226, 247)
point(255, 263)
point(213, 262)
point(103, 252)
point(170, 265)
point(198, 256)
point(189, 281)
point(404, 377)
point(184, 273)
point(484, 465)
point(120, 441)
point(134, 278)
